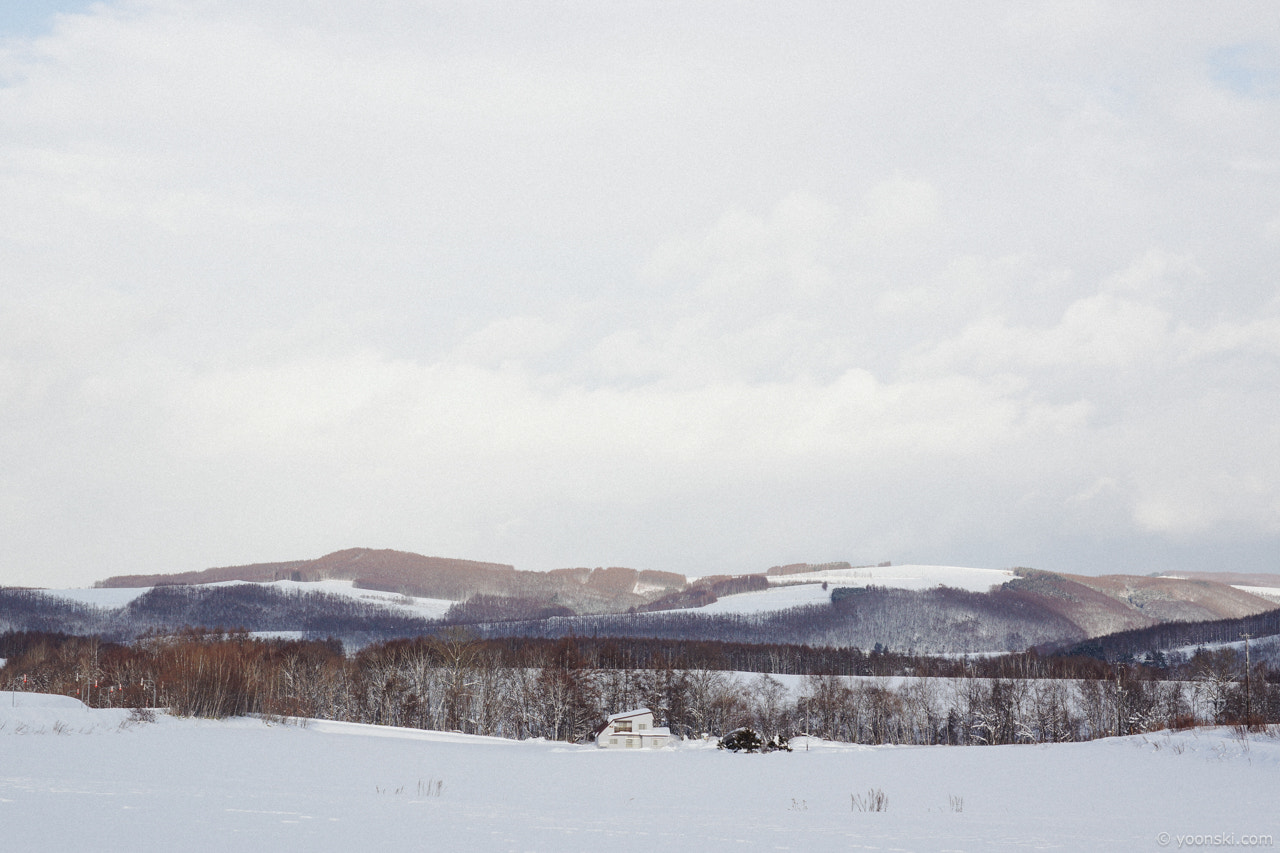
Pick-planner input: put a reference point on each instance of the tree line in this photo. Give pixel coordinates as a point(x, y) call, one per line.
point(561, 689)
point(1159, 639)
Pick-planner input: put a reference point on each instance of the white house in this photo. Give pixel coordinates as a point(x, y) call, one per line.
point(632, 730)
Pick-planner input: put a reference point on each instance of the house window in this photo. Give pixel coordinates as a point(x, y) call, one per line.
point(644, 726)
point(613, 741)
point(631, 742)
point(622, 726)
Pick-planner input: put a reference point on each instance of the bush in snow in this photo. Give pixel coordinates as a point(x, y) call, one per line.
point(746, 740)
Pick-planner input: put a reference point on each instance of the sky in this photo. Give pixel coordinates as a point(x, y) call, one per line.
point(691, 287)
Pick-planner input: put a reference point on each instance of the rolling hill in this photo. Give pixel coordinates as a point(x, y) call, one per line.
point(601, 590)
point(397, 593)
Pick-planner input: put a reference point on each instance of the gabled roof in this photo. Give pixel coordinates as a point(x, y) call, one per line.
point(622, 715)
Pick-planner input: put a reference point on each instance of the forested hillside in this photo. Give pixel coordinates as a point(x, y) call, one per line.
point(601, 590)
point(785, 605)
point(562, 689)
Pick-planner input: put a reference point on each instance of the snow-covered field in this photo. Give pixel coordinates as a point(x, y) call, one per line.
point(427, 608)
point(906, 577)
point(806, 588)
point(109, 598)
point(73, 778)
point(769, 600)
point(1270, 593)
point(787, 591)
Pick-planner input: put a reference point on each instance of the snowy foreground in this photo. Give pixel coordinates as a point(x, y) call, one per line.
point(74, 778)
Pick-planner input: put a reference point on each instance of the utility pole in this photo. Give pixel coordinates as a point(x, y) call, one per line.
point(1248, 715)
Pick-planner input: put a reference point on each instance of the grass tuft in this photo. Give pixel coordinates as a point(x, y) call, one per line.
point(874, 801)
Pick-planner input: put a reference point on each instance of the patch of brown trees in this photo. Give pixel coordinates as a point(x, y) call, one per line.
point(561, 689)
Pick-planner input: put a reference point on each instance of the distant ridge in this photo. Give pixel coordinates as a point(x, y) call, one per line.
point(1262, 579)
point(600, 590)
point(1035, 606)
point(1106, 604)
point(350, 564)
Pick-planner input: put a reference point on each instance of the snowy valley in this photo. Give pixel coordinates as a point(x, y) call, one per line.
point(76, 778)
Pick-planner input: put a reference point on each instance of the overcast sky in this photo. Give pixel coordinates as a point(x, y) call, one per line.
point(696, 287)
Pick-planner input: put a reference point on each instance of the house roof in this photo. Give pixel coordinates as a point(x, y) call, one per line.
point(622, 715)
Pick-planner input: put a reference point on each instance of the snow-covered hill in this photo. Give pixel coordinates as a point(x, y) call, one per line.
point(769, 600)
point(1270, 593)
point(788, 590)
point(428, 608)
point(906, 577)
point(1022, 608)
point(74, 778)
point(797, 589)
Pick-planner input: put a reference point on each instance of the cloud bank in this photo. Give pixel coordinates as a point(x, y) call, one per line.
point(659, 286)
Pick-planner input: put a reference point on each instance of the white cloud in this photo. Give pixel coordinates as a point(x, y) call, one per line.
point(899, 206)
point(512, 339)
point(705, 293)
point(1097, 332)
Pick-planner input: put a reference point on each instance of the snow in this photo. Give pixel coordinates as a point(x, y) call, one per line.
point(906, 577)
point(769, 600)
point(99, 782)
point(278, 635)
point(427, 608)
point(797, 590)
point(642, 588)
point(1261, 646)
point(1270, 593)
point(112, 597)
point(42, 713)
point(787, 590)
